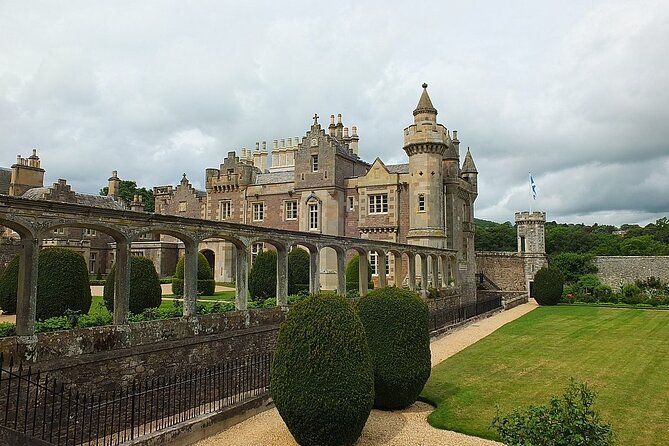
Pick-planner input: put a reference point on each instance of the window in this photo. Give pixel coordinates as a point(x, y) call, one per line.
point(137, 253)
point(90, 232)
point(60, 231)
point(378, 204)
point(374, 263)
point(92, 262)
point(350, 203)
point(226, 210)
point(182, 206)
point(290, 210)
point(314, 163)
point(256, 249)
point(421, 202)
point(313, 216)
point(258, 211)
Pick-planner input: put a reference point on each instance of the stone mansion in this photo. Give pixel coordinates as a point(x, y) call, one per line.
point(315, 183)
point(318, 183)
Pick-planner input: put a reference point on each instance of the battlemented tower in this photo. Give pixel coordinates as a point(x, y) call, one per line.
point(531, 243)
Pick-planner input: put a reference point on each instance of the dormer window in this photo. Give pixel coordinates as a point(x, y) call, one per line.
point(314, 163)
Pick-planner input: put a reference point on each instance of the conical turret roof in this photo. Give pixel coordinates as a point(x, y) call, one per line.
point(424, 103)
point(468, 165)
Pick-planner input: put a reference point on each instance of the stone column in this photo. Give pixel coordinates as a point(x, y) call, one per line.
point(412, 272)
point(423, 274)
point(242, 279)
point(363, 274)
point(435, 271)
point(314, 271)
point(443, 267)
point(26, 298)
point(399, 270)
point(122, 283)
point(281, 276)
point(454, 271)
point(190, 279)
point(381, 269)
point(341, 272)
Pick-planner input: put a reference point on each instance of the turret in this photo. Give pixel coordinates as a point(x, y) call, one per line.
point(424, 143)
point(469, 172)
point(530, 228)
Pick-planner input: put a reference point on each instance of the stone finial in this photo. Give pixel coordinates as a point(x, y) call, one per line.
point(338, 118)
point(257, 147)
point(345, 132)
point(354, 131)
point(332, 120)
point(316, 118)
point(264, 146)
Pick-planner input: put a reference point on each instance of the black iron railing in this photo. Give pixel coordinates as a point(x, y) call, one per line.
point(451, 313)
point(40, 407)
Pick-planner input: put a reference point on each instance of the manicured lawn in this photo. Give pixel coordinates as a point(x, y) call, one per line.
point(623, 354)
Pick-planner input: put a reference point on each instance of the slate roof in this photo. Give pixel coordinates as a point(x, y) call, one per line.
point(5, 178)
point(398, 168)
point(275, 177)
point(40, 193)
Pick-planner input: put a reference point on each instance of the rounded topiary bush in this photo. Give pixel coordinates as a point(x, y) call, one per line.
point(548, 285)
point(145, 289)
point(353, 274)
point(9, 280)
point(205, 277)
point(62, 283)
point(322, 379)
point(262, 277)
point(398, 335)
point(298, 271)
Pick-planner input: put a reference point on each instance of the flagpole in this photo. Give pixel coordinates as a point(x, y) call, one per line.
point(529, 179)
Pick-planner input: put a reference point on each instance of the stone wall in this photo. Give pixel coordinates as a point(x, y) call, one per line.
point(505, 269)
point(105, 357)
point(617, 270)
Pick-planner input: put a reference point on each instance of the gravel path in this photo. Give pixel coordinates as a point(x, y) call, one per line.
point(402, 428)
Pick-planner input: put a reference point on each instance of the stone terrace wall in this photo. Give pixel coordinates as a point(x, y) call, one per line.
point(617, 270)
point(105, 357)
point(505, 269)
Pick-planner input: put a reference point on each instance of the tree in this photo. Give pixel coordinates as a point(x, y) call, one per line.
point(397, 328)
point(568, 238)
point(573, 265)
point(548, 286)
point(145, 291)
point(205, 277)
point(644, 245)
point(322, 380)
point(262, 278)
point(298, 271)
point(491, 236)
point(127, 191)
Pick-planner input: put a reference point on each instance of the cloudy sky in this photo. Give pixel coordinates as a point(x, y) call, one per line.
point(575, 91)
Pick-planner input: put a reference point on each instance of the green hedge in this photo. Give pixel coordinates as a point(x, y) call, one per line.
point(548, 285)
point(298, 271)
point(9, 280)
point(397, 329)
point(205, 277)
point(62, 283)
point(353, 275)
point(262, 277)
point(145, 291)
point(322, 380)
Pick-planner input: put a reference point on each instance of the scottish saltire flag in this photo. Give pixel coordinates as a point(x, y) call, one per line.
point(533, 187)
